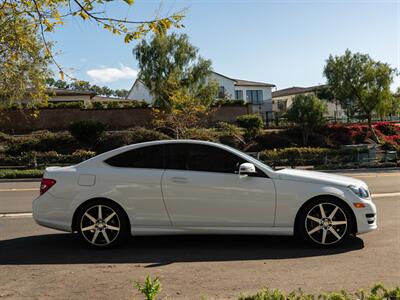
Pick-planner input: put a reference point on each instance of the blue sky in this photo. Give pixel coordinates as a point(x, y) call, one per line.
point(281, 42)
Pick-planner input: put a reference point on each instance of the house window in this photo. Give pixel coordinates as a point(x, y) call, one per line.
point(254, 96)
point(239, 95)
point(221, 92)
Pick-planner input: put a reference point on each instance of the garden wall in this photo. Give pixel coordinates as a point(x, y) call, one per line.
point(16, 121)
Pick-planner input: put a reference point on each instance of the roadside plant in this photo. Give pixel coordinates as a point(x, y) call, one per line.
point(251, 123)
point(87, 132)
point(170, 63)
point(184, 112)
point(361, 84)
point(307, 111)
point(149, 288)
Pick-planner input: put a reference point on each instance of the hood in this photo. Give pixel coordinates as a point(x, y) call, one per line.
point(319, 177)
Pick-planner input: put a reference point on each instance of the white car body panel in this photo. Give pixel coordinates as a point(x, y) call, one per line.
point(218, 200)
point(205, 202)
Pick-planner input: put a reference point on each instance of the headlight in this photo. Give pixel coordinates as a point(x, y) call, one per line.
point(359, 191)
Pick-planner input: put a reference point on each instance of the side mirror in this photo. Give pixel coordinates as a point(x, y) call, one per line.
point(247, 169)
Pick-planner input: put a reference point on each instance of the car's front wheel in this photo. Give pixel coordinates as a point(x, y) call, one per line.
point(325, 222)
point(102, 224)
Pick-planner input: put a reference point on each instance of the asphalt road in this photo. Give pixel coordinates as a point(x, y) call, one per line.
point(36, 262)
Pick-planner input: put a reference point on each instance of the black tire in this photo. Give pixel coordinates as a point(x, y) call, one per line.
point(102, 224)
point(318, 227)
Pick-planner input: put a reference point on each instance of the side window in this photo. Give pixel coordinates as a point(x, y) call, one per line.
point(196, 157)
point(150, 157)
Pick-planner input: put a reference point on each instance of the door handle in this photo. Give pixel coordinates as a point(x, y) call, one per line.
point(180, 179)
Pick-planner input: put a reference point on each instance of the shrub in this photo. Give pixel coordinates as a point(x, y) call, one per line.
point(97, 105)
point(309, 156)
point(113, 104)
point(112, 140)
point(339, 134)
point(202, 134)
point(87, 132)
point(11, 173)
point(41, 141)
point(378, 292)
point(149, 288)
point(271, 141)
point(252, 123)
point(71, 104)
point(45, 158)
point(227, 102)
point(4, 137)
point(230, 134)
point(387, 128)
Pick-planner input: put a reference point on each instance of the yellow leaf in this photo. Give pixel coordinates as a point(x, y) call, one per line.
point(61, 75)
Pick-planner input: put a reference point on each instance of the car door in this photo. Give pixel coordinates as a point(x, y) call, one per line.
point(201, 187)
point(135, 176)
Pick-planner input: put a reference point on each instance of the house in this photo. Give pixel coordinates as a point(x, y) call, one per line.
point(258, 95)
point(64, 95)
point(282, 100)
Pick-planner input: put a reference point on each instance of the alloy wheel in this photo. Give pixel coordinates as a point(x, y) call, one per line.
point(326, 223)
point(100, 225)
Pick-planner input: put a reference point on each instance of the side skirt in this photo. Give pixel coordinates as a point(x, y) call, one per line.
point(150, 230)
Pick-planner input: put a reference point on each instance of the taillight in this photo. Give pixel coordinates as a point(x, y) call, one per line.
point(46, 184)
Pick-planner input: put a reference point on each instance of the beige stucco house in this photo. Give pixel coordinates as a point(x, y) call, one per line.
point(282, 100)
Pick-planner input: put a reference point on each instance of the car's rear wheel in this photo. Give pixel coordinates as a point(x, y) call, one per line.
point(102, 224)
point(325, 222)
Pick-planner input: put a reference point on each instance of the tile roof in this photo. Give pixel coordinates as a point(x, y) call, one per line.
point(296, 90)
point(240, 82)
point(252, 83)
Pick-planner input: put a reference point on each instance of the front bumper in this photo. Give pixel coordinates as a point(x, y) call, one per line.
point(366, 217)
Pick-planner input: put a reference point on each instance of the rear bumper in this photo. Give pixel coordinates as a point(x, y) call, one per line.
point(47, 212)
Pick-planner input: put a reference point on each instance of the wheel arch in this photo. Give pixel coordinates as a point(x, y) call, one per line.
point(74, 224)
point(320, 197)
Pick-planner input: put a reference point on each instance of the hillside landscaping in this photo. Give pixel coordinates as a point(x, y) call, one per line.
point(23, 156)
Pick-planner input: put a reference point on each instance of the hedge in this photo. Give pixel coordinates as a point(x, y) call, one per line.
point(41, 141)
point(45, 158)
point(310, 156)
point(80, 105)
point(114, 139)
point(11, 173)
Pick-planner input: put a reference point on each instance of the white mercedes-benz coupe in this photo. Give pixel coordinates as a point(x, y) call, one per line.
point(198, 187)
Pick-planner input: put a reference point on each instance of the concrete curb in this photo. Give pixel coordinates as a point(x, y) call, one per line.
point(363, 170)
point(21, 180)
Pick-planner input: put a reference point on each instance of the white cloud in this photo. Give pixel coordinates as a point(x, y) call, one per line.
point(112, 74)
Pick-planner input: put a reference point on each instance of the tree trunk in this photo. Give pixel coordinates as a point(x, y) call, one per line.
point(374, 136)
point(305, 136)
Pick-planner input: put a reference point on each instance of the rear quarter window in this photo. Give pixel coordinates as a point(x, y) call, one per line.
point(150, 157)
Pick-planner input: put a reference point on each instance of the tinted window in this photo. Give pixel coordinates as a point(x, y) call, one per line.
point(147, 157)
point(195, 157)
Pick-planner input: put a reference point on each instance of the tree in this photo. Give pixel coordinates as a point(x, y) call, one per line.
point(307, 111)
point(25, 51)
point(169, 63)
point(184, 111)
point(360, 83)
point(252, 123)
point(23, 59)
point(86, 86)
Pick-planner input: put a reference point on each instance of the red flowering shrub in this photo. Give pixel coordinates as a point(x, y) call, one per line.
point(339, 134)
point(387, 128)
